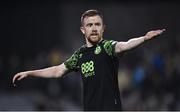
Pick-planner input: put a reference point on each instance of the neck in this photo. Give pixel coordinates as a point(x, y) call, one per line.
point(89, 44)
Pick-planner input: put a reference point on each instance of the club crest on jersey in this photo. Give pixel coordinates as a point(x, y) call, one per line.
point(80, 55)
point(98, 50)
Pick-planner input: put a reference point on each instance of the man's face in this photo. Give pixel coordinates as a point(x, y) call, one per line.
point(93, 29)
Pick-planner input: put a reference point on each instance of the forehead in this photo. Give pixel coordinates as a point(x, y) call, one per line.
point(92, 19)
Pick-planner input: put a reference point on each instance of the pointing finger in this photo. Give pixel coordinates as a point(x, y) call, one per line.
point(21, 77)
point(14, 78)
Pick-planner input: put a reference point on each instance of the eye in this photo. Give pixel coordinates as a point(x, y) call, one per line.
point(89, 25)
point(98, 24)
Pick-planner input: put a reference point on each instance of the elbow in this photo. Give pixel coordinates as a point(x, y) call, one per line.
point(57, 75)
point(121, 47)
point(60, 71)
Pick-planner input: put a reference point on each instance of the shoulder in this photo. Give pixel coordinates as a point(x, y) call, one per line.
point(108, 42)
point(71, 62)
point(109, 46)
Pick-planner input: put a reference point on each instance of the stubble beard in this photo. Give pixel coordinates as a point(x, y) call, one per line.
point(94, 39)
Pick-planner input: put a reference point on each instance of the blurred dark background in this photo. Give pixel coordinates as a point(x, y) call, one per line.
point(36, 35)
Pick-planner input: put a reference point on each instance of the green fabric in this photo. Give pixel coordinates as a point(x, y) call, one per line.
point(71, 63)
point(109, 46)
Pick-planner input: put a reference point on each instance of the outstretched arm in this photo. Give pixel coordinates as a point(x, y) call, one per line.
point(51, 72)
point(132, 43)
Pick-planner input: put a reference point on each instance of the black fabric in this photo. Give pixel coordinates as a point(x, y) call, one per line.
point(99, 73)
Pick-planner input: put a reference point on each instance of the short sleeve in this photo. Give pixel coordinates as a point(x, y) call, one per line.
point(109, 46)
point(71, 63)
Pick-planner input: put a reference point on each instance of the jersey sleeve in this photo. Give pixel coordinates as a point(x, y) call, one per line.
point(109, 46)
point(71, 63)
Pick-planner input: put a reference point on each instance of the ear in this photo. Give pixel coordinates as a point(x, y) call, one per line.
point(82, 29)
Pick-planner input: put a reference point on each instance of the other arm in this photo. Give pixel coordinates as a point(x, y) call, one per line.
point(132, 43)
point(50, 72)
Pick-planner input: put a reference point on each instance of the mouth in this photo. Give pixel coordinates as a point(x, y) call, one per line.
point(94, 34)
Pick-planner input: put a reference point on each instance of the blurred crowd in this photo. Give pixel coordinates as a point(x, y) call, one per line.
point(44, 94)
point(148, 80)
point(151, 82)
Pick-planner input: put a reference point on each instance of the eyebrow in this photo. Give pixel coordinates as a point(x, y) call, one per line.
point(97, 23)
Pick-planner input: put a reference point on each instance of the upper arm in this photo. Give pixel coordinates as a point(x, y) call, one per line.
point(109, 46)
point(72, 63)
point(61, 70)
point(114, 48)
point(119, 47)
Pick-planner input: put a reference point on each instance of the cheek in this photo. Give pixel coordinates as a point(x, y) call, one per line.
point(87, 32)
point(101, 31)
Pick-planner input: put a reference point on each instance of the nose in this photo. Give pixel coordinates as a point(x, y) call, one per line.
point(94, 28)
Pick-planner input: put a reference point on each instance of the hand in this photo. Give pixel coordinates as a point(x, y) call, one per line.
point(153, 33)
point(19, 76)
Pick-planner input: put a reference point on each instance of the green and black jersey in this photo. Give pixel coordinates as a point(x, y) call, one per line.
point(98, 66)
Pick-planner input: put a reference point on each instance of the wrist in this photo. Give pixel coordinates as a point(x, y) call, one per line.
point(145, 37)
point(28, 73)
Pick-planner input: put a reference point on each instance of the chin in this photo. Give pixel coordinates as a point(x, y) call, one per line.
point(94, 40)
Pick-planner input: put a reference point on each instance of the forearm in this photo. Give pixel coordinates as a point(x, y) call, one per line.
point(51, 72)
point(132, 43)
